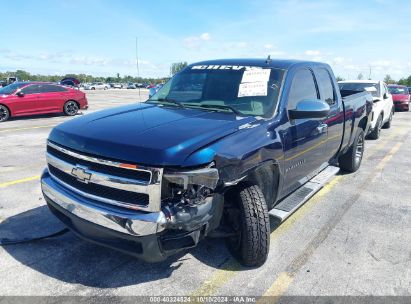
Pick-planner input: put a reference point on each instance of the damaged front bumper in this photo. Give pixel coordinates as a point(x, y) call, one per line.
point(150, 236)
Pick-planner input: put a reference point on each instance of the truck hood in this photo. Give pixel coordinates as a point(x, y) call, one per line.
point(146, 134)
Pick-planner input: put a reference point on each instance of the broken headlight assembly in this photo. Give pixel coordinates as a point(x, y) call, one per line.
point(189, 187)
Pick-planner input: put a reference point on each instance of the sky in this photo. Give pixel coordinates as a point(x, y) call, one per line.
point(98, 37)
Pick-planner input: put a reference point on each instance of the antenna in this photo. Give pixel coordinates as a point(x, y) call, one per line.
point(268, 59)
point(138, 70)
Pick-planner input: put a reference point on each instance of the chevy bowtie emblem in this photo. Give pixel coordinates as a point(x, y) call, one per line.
point(81, 174)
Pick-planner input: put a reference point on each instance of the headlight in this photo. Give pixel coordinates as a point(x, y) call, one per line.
point(190, 187)
point(207, 177)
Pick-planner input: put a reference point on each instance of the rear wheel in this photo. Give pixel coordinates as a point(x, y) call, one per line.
point(71, 108)
point(387, 125)
point(351, 160)
point(249, 219)
point(4, 113)
point(375, 134)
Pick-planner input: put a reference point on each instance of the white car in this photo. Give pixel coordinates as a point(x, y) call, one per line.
point(383, 107)
point(97, 86)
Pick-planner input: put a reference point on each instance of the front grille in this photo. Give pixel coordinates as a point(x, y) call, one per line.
point(101, 191)
point(122, 172)
point(104, 180)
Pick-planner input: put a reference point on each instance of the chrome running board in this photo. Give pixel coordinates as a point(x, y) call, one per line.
point(291, 203)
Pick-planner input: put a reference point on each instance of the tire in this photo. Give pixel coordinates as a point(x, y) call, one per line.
point(93, 88)
point(351, 160)
point(4, 113)
point(375, 134)
point(71, 108)
point(252, 242)
point(387, 125)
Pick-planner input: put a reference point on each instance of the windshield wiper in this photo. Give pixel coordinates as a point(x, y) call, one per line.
point(167, 100)
point(223, 107)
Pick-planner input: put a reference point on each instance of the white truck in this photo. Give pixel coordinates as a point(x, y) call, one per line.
point(383, 106)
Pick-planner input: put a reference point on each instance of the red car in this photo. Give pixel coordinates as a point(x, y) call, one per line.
point(32, 98)
point(400, 96)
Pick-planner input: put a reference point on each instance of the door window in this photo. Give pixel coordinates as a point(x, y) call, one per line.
point(302, 87)
point(32, 89)
point(386, 89)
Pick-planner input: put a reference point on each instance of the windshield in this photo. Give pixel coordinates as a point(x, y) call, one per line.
point(373, 88)
point(243, 90)
point(11, 88)
point(398, 90)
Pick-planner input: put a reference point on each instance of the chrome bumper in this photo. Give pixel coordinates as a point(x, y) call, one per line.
point(131, 222)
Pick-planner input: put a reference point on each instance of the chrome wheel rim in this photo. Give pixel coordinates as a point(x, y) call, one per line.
point(71, 108)
point(359, 150)
point(4, 113)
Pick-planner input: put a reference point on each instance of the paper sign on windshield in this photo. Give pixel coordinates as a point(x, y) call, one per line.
point(260, 75)
point(252, 89)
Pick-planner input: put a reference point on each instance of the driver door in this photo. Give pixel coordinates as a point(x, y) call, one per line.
point(27, 104)
point(305, 140)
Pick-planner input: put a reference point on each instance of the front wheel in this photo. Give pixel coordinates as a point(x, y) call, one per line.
point(71, 108)
point(4, 113)
point(351, 160)
point(249, 218)
point(387, 125)
point(375, 134)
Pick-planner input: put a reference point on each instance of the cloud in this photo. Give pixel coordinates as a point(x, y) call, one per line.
point(195, 42)
point(312, 53)
point(205, 36)
point(276, 53)
point(85, 60)
point(382, 64)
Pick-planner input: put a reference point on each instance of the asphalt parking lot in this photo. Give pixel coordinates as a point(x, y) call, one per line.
point(351, 238)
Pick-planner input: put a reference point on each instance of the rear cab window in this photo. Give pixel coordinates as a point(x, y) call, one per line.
point(326, 86)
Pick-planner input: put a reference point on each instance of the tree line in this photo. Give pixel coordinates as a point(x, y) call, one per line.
point(174, 68)
point(387, 79)
point(84, 78)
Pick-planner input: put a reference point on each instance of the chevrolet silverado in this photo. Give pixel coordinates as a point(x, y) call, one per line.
point(219, 148)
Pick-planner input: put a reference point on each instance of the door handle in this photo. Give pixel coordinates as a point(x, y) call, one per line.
point(322, 128)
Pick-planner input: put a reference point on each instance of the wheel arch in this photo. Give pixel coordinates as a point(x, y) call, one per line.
point(363, 123)
point(78, 104)
point(73, 100)
point(266, 176)
point(8, 108)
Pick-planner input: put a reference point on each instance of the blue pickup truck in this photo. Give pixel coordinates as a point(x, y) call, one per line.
point(219, 148)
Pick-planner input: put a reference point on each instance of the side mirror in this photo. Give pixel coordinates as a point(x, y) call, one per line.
point(151, 92)
point(310, 108)
point(20, 94)
point(385, 96)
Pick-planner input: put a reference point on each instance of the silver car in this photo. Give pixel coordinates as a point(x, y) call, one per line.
point(97, 86)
